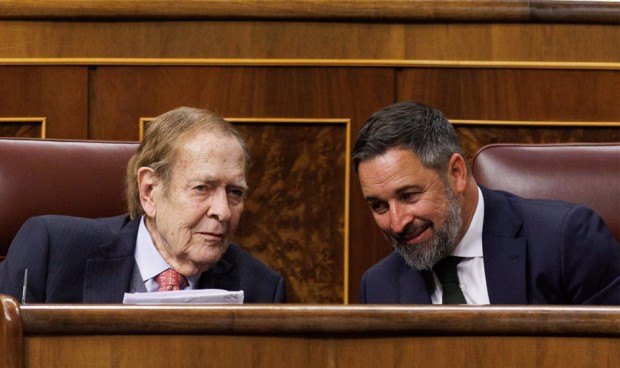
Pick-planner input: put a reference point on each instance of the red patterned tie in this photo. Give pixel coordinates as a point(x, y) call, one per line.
point(171, 280)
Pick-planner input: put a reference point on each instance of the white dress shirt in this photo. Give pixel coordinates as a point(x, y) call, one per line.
point(471, 269)
point(150, 262)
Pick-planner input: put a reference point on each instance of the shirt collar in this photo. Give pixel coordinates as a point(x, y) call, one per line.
point(150, 262)
point(471, 244)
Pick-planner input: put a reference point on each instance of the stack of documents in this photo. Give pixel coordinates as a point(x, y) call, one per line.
point(202, 296)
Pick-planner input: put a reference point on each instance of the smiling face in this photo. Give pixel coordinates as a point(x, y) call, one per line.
point(417, 211)
point(192, 218)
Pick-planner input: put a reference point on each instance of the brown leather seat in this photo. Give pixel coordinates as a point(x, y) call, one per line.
point(77, 178)
point(585, 173)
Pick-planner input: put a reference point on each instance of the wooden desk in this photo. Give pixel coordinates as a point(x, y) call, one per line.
point(308, 336)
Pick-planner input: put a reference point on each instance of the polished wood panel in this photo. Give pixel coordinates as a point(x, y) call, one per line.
point(55, 93)
point(334, 320)
point(512, 42)
point(11, 333)
point(199, 39)
point(304, 351)
point(473, 137)
point(329, 41)
point(294, 217)
point(181, 350)
point(371, 10)
point(515, 94)
point(520, 95)
point(320, 336)
point(123, 95)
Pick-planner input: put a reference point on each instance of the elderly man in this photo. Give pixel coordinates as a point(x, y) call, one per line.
point(185, 191)
point(459, 243)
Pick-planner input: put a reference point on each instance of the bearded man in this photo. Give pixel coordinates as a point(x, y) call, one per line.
point(459, 243)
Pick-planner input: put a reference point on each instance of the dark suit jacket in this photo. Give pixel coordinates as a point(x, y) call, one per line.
point(77, 260)
point(535, 252)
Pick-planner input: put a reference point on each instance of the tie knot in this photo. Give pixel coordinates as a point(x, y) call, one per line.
point(171, 280)
point(446, 270)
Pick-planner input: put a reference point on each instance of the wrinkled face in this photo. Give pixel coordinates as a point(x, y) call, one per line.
point(194, 217)
point(418, 213)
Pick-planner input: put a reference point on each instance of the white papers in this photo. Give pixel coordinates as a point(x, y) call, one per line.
point(202, 296)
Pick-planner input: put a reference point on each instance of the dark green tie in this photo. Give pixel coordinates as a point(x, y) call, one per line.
point(447, 275)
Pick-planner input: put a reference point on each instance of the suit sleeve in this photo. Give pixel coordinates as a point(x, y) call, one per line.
point(29, 250)
point(362, 291)
point(590, 259)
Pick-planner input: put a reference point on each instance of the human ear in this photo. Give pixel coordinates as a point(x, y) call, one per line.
point(457, 172)
point(147, 184)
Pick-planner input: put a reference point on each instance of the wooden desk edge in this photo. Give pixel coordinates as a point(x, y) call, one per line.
point(333, 320)
point(319, 10)
point(11, 333)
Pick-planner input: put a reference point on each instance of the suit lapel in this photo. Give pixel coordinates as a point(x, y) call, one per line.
point(504, 267)
point(402, 284)
point(222, 275)
point(107, 277)
point(106, 280)
point(504, 252)
point(413, 288)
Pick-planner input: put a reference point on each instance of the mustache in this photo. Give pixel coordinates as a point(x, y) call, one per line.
point(412, 230)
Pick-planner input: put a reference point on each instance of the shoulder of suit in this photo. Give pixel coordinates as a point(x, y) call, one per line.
point(108, 224)
point(392, 263)
point(241, 258)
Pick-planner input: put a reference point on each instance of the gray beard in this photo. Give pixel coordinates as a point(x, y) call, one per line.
point(424, 255)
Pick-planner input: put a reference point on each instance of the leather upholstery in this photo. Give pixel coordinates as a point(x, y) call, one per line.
point(77, 178)
point(585, 173)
